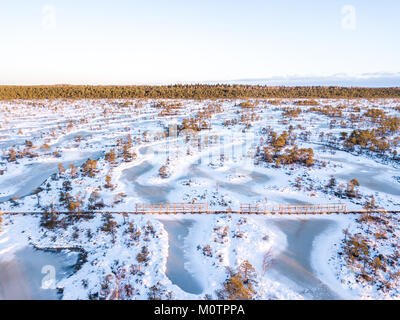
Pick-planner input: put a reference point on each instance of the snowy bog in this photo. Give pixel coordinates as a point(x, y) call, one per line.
point(74, 172)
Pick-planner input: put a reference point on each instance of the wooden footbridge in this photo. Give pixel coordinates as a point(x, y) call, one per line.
point(203, 208)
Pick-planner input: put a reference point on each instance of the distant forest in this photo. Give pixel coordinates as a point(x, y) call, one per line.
point(198, 91)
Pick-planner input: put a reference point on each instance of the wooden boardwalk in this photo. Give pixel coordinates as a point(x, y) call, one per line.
point(293, 208)
point(203, 208)
point(174, 208)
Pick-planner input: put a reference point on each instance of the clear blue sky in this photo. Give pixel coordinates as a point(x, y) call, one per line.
point(164, 41)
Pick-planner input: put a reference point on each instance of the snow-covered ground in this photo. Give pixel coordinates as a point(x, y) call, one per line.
point(142, 155)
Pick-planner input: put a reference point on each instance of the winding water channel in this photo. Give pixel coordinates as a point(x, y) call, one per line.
point(22, 277)
point(176, 271)
point(294, 264)
point(377, 178)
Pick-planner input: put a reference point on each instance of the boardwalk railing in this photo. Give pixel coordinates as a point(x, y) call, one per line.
point(172, 208)
point(203, 208)
point(293, 208)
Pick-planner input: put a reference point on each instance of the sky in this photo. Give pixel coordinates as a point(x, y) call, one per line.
point(174, 41)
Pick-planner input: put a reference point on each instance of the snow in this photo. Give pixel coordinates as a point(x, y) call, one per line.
point(221, 171)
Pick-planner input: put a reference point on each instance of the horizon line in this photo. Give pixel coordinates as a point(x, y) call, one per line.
point(228, 83)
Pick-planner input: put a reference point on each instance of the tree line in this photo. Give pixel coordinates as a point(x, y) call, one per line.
point(194, 91)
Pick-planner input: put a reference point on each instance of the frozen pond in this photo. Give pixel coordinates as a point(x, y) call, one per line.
point(294, 263)
point(152, 193)
point(176, 272)
point(159, 193)
point(377, 178)
point(373, 178)
point(21, 278)
point(35, 174)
